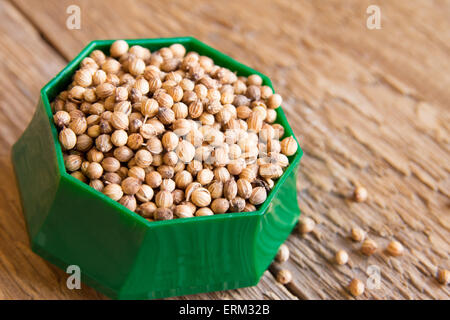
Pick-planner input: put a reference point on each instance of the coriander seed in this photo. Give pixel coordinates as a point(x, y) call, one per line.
point(395, 248)
point(369, 247)
point(306, 225)
point(220, 205)
point(131, 185)
point(357, 234)
point(284, 276)
point(360, 194)
point(443, 276)
point(341, 257)
point(114, 191)
point(282, 254)
point(201, 197)
point(356, 287)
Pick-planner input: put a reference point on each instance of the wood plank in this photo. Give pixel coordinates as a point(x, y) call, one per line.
point(369, 107)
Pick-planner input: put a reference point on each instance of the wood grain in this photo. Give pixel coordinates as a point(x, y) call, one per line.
point(370, 107)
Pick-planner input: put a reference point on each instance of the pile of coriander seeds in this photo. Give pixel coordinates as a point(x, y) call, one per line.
point(169, 134)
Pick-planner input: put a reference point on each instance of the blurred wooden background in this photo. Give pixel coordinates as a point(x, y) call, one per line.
point(369, 107)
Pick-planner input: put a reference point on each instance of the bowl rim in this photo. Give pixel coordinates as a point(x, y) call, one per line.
point(214, 54)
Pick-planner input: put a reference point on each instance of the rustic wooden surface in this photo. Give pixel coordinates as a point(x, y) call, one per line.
point(370, 107)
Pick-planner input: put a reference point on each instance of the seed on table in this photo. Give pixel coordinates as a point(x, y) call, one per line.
point(114, 191)
point(341, 257)
point(282, 254)
point(369, 247)
point(360, 194)
point(357, 234)
point(306, 225)
point(356, 287)
point(284, 276)
point(395, 248)
point(443, 276)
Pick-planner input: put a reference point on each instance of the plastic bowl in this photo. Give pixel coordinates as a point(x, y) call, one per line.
point(122, 254)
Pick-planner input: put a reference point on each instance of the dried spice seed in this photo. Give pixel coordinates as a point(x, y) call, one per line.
point(356, 287)
point(282, 254)
point(306, 225)
point(341, 257)
point(395, 248)
point(369, 247)
point(360, 194)
point(443, 276)
point(284, 276)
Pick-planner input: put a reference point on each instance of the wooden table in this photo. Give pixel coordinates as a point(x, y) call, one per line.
point(369, 107)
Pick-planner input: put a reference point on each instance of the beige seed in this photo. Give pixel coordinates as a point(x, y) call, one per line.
point(360, 194)
point(153, 179)
point(341, 257)
point(443, 276)
point(230, 189)
point(204, 212)
point(131, 185)
point(395, 248)
point(357, 234)
point(163, 214)
point(114, 191)
point(282, 254)
point(289, 146)
point(67, 138)
point(164, 199)
point(274, 101)
point(258, 196)
point(73, 162)
point(369, 247)
point(185, 151)
point(145, 193)
point(356, 287)
point(306, 225)
point(220, 205)
point(169, 141)
point(147, 210)
point(118, 48)
point(129, 202)
point(143, 158)
point(183, 211)
point(110, 164)
point(119, 120)
point(284, 276)
point(201, 197)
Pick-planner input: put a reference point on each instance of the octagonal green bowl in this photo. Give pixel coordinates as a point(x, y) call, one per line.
point(122, 254)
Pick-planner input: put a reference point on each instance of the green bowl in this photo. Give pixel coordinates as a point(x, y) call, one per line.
point(122, 254)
